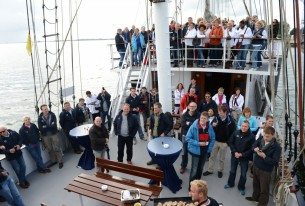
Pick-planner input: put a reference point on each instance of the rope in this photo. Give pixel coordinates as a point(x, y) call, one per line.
point(255, 7)
point(79, 62)
point(32, 61)
point(233, 9)
point(72, 59)
point(62, 47)
point(63, 54)
point(197, 9)
point(260, 9)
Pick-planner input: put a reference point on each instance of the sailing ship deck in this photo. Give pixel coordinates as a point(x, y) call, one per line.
point(49, 188)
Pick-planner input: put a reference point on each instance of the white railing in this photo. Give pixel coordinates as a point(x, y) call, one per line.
point(119, 89)
point(143, 73)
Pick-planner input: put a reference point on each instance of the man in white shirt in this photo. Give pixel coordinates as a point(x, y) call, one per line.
point(229, 43)
point(93, 104)
point(189, 36)
point(244, 35)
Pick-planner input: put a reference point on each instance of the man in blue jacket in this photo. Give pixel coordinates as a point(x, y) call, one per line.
point(200, 138)
point(47, 124)
point(241, 149)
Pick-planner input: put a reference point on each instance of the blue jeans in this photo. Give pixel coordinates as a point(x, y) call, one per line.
point(10, 192)
point(137, 56)
point(122, 54)
point(200, 56)
point(198, 164)
point(243, 172)
point(256, 56)
point(35, 152)
point(19, 168)
point(241, 56)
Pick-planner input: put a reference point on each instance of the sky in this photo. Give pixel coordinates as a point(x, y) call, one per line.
point(101, 18)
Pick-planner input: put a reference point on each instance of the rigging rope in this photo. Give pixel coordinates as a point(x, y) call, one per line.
point(63, 53)
point(233, 9)
point(79, 62)
point(32, 60)
point(62, 47)
point(72, 57)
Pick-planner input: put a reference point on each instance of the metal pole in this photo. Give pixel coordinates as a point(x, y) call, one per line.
point(163, 54)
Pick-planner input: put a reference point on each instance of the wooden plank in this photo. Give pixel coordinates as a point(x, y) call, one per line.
point(115, 184)
point(156, 190)
point(131, 171)
point(93, 195)
point(96, 187)
point(149, 173)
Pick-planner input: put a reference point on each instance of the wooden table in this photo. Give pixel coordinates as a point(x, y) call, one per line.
point(90, 186)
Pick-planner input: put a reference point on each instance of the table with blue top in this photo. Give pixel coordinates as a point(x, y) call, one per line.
point(165, 158)
point(81, 133)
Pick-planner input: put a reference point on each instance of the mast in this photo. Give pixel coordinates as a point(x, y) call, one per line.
point(208, 15)
point(160, 10)
point(244, 2)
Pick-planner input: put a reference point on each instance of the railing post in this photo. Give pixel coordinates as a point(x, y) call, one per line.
point(111, 56)
point(224, 54)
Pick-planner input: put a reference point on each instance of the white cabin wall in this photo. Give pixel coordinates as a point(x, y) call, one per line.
point(181, 77)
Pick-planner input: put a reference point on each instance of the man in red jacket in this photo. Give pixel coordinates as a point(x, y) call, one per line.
point(187, 98)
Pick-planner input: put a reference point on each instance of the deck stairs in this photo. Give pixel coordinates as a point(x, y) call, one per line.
point(128, 76)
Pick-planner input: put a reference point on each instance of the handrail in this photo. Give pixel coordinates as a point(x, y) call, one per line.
point(119, 87)
point(143, 69)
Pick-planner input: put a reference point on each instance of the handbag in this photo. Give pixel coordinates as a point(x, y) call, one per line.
point(239, 44)
point(196, 41)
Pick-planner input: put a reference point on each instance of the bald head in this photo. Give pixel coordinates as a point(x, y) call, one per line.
point(3, 130)
point(98, 121)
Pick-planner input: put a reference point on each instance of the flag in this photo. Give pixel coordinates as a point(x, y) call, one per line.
point(29, 44)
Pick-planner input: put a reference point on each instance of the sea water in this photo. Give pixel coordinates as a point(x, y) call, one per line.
point(92, 71)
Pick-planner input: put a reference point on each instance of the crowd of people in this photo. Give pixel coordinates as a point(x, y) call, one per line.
point(209, 127)
point(203, 42)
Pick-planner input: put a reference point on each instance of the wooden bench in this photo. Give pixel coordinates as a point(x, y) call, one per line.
point(152, 174)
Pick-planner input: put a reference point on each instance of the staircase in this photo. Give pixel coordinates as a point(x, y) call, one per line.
point(128, 76)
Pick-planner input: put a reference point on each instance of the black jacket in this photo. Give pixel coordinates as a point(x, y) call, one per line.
point(10, 142)
point(29, 135)
point(134, 102)
point(224, 129)
point(175, 38)
point(133, 124)
point(144, 102)
point(98, 136)
point(79, 114)
point(204, 106)
point(187, 120)
point(67, 120)
point(197, 89)
point(164, 124)
point(242, 143)
point(119, 42)
point(107, 98)
point(47, 126)
point(272, 151)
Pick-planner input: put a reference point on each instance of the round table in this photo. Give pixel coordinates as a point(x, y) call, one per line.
point(165, 158)
point(81, 133)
